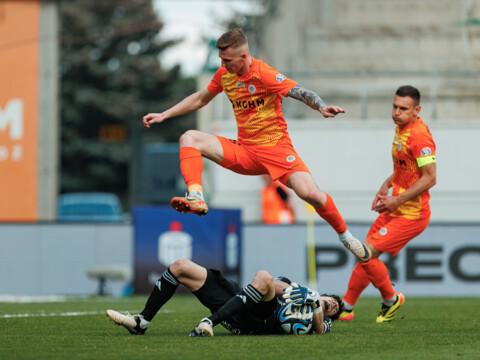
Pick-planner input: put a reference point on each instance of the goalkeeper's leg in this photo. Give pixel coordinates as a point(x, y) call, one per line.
point(163, 290)
point(261, 288)
point(161, 293)
point(182, 271)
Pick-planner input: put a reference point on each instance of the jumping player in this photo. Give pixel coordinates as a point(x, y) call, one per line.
point(249, 311)
point(263, 145)
point(404, 214)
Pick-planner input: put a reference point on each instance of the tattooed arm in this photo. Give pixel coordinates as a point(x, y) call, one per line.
point(314, 101)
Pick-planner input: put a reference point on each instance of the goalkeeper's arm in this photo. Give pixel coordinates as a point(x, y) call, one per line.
point(318, 321)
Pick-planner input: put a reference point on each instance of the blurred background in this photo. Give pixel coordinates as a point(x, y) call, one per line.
point(76, 78)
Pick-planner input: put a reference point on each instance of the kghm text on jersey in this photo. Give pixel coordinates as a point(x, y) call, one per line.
point(239, 104)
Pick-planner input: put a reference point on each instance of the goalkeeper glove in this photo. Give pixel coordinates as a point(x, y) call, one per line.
point(300, 295)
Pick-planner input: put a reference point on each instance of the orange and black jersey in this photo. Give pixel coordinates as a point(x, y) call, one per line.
point(256, 99)
point(413, 147)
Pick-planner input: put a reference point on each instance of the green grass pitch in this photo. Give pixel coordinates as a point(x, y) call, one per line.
point(425, 328)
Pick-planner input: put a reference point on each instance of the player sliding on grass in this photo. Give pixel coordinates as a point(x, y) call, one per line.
point(253, 310)
point(404, 214)
point(263, 145)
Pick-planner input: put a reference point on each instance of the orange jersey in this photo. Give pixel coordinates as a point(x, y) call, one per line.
point(412, 148)
point(256, 99)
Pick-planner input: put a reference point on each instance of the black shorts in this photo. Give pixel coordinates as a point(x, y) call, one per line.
point(261, 319)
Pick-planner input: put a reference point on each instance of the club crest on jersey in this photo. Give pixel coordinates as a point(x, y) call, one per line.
point(290, 158)
point(280, 77)
point(252, 89)
point(240, 84)
point(426, 151)
point(383, 231)
point(399, 146)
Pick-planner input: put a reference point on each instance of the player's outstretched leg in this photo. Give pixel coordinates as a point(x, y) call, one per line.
point(356, 247)
point(135, 324)
point(203, 329)
point(387, 313)
point(191, 203)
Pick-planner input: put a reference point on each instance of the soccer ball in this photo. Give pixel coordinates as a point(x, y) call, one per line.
point(290, 319)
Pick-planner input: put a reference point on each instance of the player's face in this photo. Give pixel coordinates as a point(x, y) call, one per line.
point(331, 306)
point(404, 111)
point(234, 60)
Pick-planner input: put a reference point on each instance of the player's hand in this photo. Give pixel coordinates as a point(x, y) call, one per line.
point(152, 118)
point(295, 294)
point(306, 313)
point(300, 295)
point(387, 204)
point(383, 191)
point(331, 111)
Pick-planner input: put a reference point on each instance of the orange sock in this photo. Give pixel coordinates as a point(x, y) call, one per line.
point(358, 282)
point(191, 167)
point(330, 214)
point(378, 274)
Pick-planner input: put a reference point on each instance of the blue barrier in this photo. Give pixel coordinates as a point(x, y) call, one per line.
point(162, 235)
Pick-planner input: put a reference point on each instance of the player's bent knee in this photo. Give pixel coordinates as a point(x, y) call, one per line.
point(187, 138)
point(180, 267)
point(262, 281)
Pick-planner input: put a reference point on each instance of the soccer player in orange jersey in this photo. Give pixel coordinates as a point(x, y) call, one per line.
point(405, 213)
point(263, 145)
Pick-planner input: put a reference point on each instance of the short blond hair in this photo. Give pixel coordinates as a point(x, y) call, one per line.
point(233, 38)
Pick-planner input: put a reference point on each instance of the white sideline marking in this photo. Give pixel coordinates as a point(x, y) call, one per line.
point(31, 299)
point(6, 316)
point(83, 313)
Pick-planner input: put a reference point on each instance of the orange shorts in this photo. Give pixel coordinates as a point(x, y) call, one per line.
point(390, 234)
point(280, 161)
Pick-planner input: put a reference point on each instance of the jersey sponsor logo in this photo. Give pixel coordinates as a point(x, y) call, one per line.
point(280, 77)
point(290, 158)
point(240, 84)
point(426, 151)
point(383, 231)
point(252, 89)
point(247, 104)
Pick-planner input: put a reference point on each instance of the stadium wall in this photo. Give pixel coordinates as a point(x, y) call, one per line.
point(53, 259)
point(350, 159)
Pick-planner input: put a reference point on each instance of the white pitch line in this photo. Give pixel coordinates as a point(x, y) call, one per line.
point(82, 313)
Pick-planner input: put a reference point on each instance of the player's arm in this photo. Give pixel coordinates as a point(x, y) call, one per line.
point(190, 103)
point(428, 179)
point(321, 324)
point(318, 326)
point(314, 101)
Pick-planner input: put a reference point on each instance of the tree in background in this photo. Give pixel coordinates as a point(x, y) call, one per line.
point(110, 77)
point(254, 23)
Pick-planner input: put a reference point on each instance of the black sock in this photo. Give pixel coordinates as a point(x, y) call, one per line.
point(161, 293)
point(247, 298)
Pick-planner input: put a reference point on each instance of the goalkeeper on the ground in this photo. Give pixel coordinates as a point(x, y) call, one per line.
point(252, 310)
